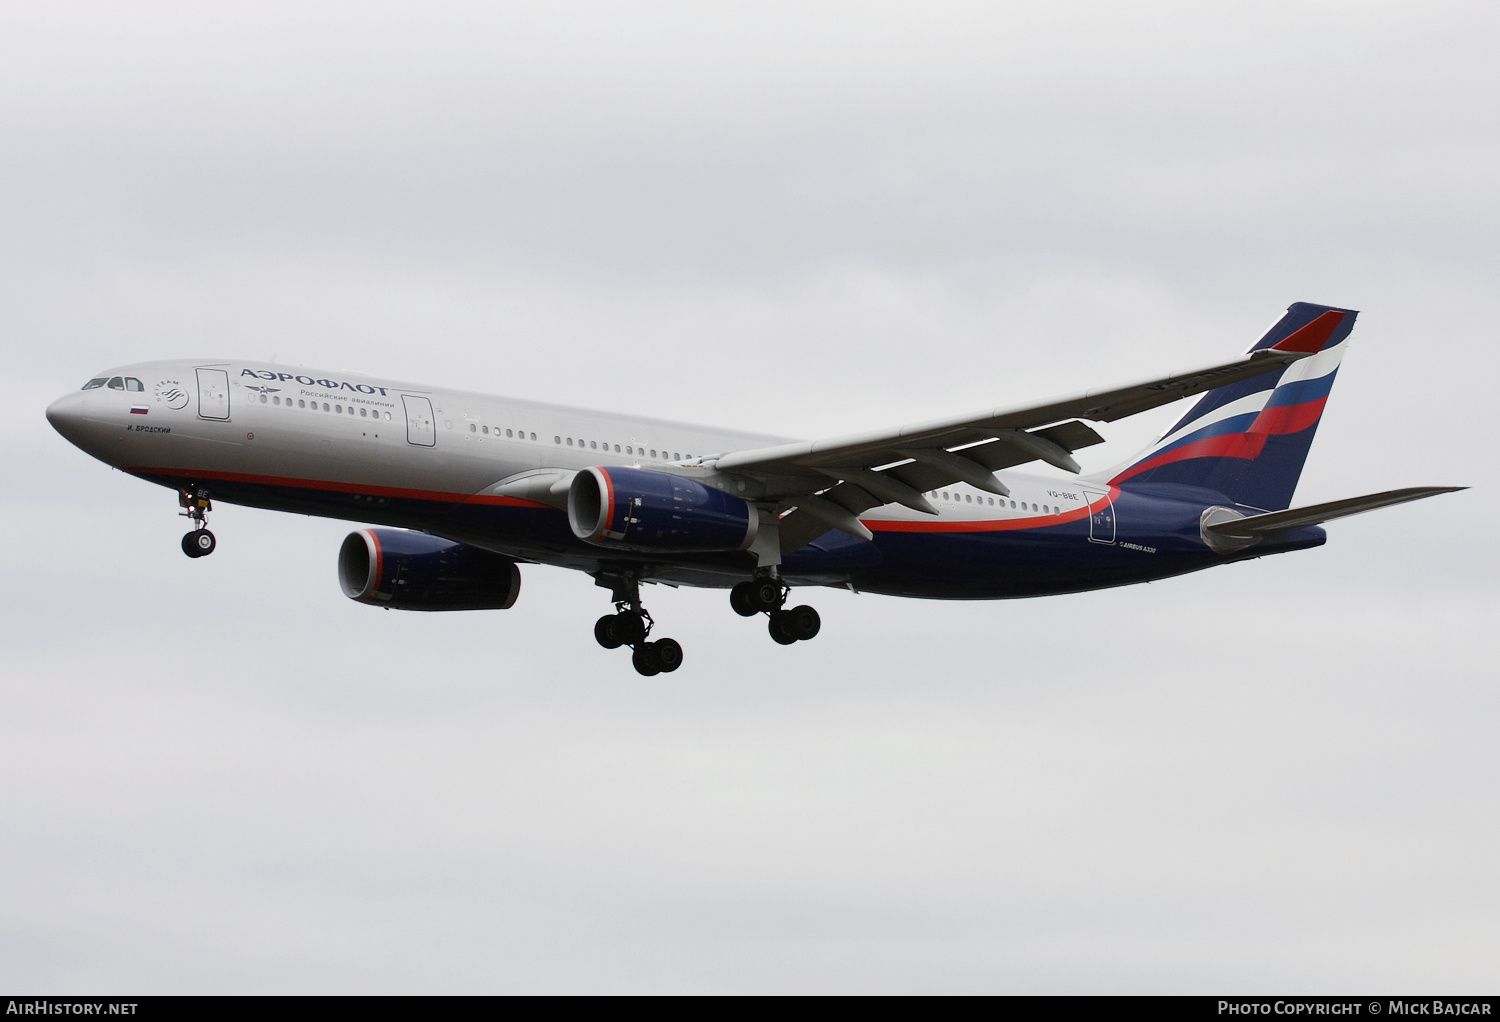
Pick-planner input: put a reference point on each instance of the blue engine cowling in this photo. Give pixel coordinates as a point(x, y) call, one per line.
point(414, 571)
point(636, 508)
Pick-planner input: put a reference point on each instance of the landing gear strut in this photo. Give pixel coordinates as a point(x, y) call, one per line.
point(630, 624)
point(196, 506)
point(766, 595)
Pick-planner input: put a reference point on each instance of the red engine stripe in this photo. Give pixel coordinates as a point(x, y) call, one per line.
point(379, 565)
point(609, 517)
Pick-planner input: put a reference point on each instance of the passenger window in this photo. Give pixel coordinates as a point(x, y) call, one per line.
point(387, 416)
point(338, 409)
point(968, 499)
point(653, 453)
point(363, 413)
point(570, 441)
point(533, 436)
point(473, 428)
point(116, 384)
point(262, 399)
point(94, 384)
point(509, 434)
point(593, 445)
point(301, 403)
point(617, 448)
point(131, 383)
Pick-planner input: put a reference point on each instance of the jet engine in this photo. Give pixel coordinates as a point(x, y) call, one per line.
point(644, 510)
point(414, 571)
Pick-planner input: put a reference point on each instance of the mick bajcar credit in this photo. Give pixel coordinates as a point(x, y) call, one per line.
point(1384, 1006)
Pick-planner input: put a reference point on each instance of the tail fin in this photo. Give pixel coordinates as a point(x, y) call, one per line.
point(1249, 440)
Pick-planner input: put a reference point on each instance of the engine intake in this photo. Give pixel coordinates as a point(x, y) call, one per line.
point(414, 571)
point(632, 507)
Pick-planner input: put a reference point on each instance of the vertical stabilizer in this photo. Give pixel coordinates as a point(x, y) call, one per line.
point(1249, 440)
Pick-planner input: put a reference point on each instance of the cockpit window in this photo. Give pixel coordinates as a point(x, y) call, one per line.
point(131, 383)
point(94, 384)
point(115, 383)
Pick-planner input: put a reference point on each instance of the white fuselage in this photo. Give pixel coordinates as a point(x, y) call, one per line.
point(477, 468)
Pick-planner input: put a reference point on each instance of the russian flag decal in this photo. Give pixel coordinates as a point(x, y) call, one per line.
point(139, 409)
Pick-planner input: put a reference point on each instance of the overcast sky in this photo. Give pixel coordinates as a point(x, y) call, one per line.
point(222, 776)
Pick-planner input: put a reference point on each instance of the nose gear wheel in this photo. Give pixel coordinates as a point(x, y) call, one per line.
point(196, 506)
point(199, 543)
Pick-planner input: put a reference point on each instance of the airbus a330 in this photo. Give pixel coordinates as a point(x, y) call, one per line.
point(459, 487)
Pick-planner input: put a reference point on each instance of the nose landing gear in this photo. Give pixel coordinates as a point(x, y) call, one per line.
point(766, 595)
point(200, 542)
point(629, 625)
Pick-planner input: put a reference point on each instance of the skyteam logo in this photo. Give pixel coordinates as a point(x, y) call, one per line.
point(172, 394)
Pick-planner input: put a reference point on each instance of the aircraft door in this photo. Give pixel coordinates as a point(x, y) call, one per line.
point(213, 394)
point(1102, 518)
point(421, 430)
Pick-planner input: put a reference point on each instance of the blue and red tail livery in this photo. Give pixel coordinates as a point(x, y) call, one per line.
point(462, 487)
point(1249, 440)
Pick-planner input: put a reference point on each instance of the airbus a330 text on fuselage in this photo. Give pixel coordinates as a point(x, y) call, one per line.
point(460, 487)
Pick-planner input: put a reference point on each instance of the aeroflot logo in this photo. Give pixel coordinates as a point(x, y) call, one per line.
point(308, 381)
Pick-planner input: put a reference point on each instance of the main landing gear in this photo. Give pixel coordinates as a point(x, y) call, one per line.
point(200, 542)
point(766, 595)
point(630, 625)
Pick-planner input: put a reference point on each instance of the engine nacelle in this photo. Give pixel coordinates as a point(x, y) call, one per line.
point(414, 571)
point(633, 507)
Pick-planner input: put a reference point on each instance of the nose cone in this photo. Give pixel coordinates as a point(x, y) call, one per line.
point(66, 415)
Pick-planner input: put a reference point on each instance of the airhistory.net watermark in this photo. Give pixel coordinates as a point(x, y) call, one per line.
point(42, 1006)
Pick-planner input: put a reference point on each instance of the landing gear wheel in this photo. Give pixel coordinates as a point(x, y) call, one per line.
point(781, 628)
point(607, 632)
point(199, 543)
point(764, 594)
point(645, 660)
point(630, 627)
point(668, 655)
point(739, 599)
point(803, 622)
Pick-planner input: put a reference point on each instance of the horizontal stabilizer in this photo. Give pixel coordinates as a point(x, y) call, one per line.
point(1256, 526)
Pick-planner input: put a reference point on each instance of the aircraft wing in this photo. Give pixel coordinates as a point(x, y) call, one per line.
point(832, 481)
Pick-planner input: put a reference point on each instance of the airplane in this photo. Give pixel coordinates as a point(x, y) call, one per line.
point(459, 488)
